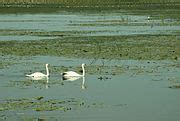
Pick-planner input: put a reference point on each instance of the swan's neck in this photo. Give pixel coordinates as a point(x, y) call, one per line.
point(83, 71)
point(47, 71)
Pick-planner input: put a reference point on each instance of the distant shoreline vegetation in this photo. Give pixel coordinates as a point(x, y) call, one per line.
point(90, 3)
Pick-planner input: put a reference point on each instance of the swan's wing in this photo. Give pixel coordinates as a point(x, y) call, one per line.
point(38, 78)
point(36, 74)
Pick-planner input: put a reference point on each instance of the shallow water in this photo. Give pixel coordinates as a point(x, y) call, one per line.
point(140, 92)
point(112, 89)
point(88, 23)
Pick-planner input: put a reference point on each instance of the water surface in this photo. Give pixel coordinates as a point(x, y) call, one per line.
point(87, 23)
point(113, 89)
point(140, 92)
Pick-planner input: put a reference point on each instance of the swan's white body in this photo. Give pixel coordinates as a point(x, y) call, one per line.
point(38, 78)
point(74, 74)
point(39, 74)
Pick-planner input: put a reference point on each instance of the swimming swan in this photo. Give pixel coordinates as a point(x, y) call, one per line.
point(39, 74)
point(74, 74)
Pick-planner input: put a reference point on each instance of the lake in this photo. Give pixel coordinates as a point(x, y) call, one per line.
point(113, 88)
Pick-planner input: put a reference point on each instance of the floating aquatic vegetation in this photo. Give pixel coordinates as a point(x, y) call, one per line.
point(37, 104)
point(100, 47)
point(40, 84)
point(42, 104)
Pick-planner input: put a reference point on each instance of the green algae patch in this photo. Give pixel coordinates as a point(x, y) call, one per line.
point(147, 47)
point(29, 83)
point(34, 104)
point(37, 104)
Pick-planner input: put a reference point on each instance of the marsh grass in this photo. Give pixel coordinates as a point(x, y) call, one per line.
point(146, 47)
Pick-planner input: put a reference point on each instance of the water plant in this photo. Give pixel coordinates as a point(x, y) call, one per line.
point(37, 104)
point(99, 47)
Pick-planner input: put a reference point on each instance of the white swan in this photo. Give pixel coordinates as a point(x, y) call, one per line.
point(74, 74)
point(39, 74)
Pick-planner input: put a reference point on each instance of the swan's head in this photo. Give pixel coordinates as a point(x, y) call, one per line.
point(47, 64)
point(83, 64)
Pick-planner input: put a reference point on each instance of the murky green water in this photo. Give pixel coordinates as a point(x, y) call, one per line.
point(113, 88)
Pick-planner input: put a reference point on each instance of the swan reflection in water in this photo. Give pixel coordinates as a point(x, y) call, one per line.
point(74, 78)
point(40, 79)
